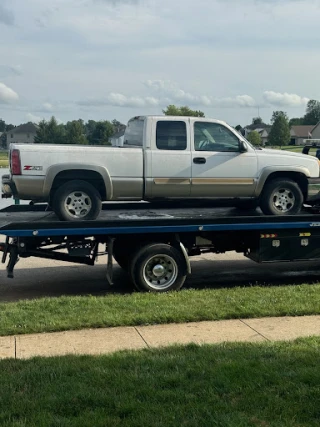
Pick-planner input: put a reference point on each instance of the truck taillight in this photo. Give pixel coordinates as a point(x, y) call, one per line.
point(15, 162)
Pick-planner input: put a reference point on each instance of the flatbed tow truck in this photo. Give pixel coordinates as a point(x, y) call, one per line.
point(154, 243)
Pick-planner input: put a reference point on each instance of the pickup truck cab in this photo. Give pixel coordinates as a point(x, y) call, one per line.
point(162, 157)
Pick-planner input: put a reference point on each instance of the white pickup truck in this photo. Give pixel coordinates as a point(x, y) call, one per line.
point(162, 157)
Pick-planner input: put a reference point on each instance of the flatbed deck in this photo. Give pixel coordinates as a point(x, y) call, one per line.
point(131, 218)
point(153, 242)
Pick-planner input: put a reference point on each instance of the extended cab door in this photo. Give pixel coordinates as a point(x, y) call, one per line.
point(219, 168)
point(168, 160)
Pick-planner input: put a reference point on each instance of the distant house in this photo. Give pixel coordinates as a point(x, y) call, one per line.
point(118, 138)
point(262, 129)
point(299, 133)
point(23, 134)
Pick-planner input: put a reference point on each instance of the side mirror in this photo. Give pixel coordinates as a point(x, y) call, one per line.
point(242, 147)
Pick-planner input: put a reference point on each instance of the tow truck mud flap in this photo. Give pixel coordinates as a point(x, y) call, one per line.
point(293, 245)
point(13, 252)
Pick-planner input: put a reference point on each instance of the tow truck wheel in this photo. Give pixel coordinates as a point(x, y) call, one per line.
point(281, 196)
point(158, 268)
point(77, 201)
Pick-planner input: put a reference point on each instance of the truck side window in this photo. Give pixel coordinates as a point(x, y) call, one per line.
point(214, 137)
point(171, 135)
point(133, 136)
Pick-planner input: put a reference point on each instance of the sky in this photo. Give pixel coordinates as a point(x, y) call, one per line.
point(115, 59)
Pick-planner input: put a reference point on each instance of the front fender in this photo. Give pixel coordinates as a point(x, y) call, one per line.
point(266, 172)
point(54, 170)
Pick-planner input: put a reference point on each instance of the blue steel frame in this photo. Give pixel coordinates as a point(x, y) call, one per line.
point(109, 231)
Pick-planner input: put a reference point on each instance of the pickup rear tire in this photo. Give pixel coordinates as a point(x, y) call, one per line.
point(77, 200)
point(159, 268)
point(281, 196)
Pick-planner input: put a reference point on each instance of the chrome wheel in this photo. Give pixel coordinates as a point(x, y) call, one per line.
point(78, 204)
point(160, 272)
point(283, 200)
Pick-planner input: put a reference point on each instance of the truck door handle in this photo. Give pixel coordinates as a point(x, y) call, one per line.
point(199, 160)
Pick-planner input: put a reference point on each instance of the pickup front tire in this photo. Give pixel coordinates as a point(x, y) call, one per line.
point(77, 200)
point(281, 196)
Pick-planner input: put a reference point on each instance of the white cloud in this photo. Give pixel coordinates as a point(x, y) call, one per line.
point(284, 99)
point(172, 93)
point(32, 118)
point(120, 100)
point(7, 95)
point(169, 93)
point(244, 101)
point(47, 106)
point(169, 89)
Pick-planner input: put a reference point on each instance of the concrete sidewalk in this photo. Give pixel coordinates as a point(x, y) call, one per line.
point(108, 340)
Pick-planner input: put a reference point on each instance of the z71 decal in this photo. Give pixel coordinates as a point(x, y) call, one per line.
point(32, 168)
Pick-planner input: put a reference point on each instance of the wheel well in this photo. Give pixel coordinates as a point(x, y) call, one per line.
point(298, 177)
point(92, 177)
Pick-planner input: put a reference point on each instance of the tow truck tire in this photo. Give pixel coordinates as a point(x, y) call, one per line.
point(281, 196)
point(158, 268)
point(77, 200)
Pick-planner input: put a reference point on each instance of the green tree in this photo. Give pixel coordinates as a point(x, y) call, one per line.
point(50, 132)
point(101, 134)
point(56, 132)
point(90, 126)
point(3, 140)
point(41, 135)
point(312, 116)
point(254, 137)
point(173, 110)
point(280, 132)
point(257, 121)
point(2, 125)
point(75, 133)
point(117, 126)
point(296, 121)
point(9, 127)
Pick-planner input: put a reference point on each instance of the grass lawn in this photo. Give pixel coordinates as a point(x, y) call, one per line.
point(4, 162)
point(78, 312)
point(231, 385)
point(295, 149)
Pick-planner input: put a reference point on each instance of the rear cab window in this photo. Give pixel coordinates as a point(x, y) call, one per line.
point(133, 136)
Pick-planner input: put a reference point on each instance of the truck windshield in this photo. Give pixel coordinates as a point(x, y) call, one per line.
point(133, 136)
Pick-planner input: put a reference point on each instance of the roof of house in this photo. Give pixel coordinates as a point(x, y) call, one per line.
point(25, 128)
point(303, 131)
point(257, 126)
point(315, 126)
